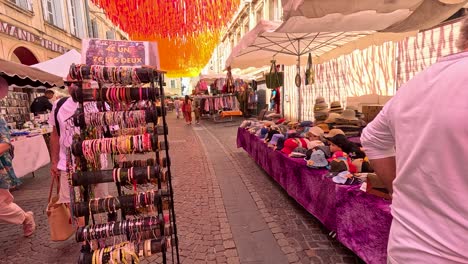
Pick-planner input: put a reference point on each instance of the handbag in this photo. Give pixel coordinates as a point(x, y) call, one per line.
point(58, 216)
point(274, 78)
point(309, 73)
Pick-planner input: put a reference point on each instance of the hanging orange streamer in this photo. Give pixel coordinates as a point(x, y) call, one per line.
point(187, 31)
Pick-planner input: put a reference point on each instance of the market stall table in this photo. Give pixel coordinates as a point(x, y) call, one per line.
point(31, 153)
point(361, 221)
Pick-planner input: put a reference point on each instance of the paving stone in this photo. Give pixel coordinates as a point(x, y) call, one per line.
point(230, 253)
point(229, 244)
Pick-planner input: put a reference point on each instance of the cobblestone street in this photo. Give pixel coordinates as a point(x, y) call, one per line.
point(228, 210)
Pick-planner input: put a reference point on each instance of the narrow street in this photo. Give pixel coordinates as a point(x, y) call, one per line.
point(228, 210)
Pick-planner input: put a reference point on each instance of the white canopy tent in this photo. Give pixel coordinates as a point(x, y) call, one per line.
point(60, 65)
point(323, 27)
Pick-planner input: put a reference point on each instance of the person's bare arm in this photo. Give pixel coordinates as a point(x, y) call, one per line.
point(4, 147)
point(54, 152)
point(385, 168)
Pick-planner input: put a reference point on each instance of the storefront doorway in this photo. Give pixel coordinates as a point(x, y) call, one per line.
point(24, 56)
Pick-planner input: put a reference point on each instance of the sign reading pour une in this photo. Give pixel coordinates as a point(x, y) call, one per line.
point(119, 53)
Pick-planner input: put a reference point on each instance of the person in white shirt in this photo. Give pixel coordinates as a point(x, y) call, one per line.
point(58, 146)
point(418, 145)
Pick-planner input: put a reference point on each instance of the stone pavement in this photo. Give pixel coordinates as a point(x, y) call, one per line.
point(301, 237)
point(228, 210)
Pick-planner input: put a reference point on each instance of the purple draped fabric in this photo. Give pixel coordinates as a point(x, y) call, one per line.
point(362, 221)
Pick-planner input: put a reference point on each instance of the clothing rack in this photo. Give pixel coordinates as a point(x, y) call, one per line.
point(123, 104)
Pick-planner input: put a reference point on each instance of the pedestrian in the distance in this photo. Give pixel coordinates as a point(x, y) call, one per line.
point(9, 211)
point(177, 107)
point(196, 110)
point(187, 110)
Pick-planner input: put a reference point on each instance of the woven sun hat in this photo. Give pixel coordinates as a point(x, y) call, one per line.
point(332, 118)
point(324, 127)
point(335, 107)
point(320, 107)
point(349, 114)
point(319, 100)
point(320, 116)
point(316, 131)
point(334, 132)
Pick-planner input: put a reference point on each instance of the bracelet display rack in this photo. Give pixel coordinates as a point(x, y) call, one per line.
point(123, 117)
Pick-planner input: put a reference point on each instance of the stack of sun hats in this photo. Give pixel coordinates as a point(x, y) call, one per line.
point(335, 107)
point(320, 110)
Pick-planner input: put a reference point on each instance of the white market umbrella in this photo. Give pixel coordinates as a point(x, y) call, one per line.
point(260, 45)
point(321, 27)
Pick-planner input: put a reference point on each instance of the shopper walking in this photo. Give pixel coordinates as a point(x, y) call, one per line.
point(187, 110)
point(196, 110)
point(419, 148)
point(9, 211)
point(177, 106)
point(61, 138)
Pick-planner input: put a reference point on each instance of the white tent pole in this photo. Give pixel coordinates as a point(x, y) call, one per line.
point(299, 104)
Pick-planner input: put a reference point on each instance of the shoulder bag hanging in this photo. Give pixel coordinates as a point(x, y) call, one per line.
point(274, 79)
point(58, 216)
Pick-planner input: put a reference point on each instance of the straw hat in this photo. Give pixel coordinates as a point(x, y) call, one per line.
point(324, 127)
point(334, 132)
point(320, 116)
point(316, 131)
point(349, 114)
point(320, 107)
point(332, 118)
point(319, 100)
point(335, 107)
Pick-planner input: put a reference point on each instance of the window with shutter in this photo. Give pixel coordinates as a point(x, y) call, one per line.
point(94, 27)
point(53, 12)
point(110, 34)
point(76, 18)
point(24, 4)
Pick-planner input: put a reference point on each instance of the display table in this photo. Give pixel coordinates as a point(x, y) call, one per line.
point(31, 153)
point(362, 221)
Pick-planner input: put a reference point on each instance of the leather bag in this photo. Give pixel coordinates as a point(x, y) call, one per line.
point(58, 216)
point(274, 79)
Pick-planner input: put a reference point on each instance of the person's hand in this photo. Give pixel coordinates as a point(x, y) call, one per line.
point(54, 171)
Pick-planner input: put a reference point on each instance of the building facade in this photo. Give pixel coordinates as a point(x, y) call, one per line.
point(33, 31)
point(249, 14)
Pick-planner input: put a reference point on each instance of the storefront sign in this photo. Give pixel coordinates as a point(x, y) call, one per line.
point(24, 35)
point(119, 53)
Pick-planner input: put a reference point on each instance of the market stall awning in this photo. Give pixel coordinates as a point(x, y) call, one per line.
point(23, 75)
point(60, 65)
point(307, 16)
point(263, 43)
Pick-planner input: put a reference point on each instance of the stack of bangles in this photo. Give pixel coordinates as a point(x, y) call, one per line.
point(120, 145)
point(121, 253)
point(108, 74)
point(118, 172)
point(119, 118)
point(127, 227)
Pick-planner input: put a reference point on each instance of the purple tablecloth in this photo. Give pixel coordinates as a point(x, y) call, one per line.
point(362, 221)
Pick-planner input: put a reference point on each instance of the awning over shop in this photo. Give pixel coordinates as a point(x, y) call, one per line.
point(22, 75)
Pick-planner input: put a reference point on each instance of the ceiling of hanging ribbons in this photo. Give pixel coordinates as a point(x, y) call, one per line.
point(187, 31)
